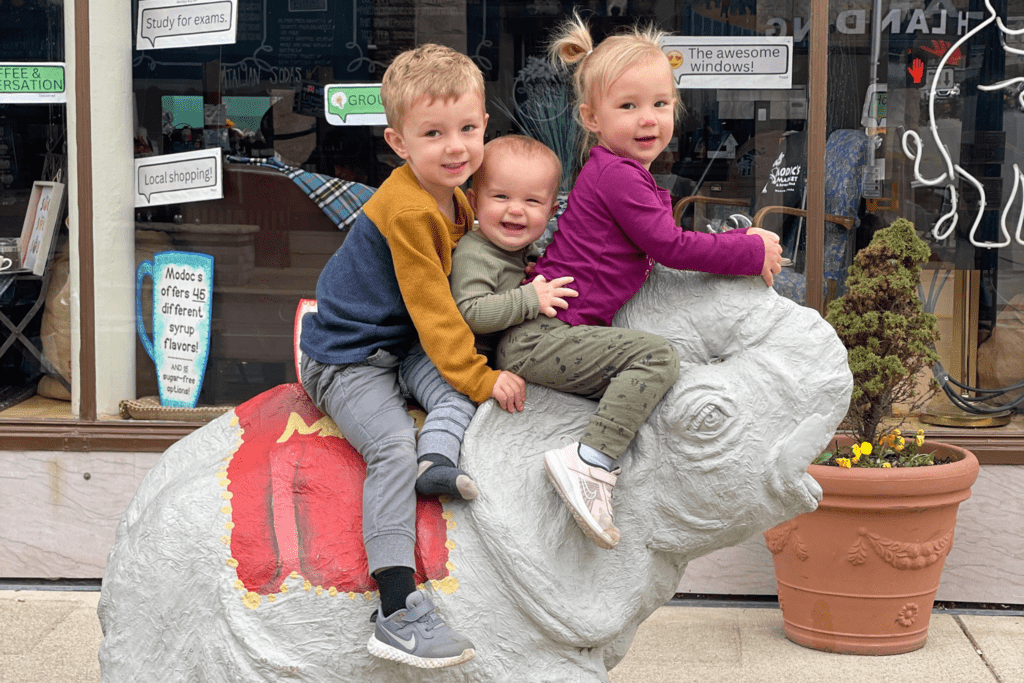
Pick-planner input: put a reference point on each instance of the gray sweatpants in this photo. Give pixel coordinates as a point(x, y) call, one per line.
point(367, 401)
point(629, 371)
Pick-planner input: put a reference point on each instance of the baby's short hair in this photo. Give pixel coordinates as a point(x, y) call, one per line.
point(516, 144)
point(432, 71)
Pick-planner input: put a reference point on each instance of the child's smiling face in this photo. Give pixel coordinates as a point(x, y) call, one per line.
point(517, 199)
point(634, 115)
point(442, 141)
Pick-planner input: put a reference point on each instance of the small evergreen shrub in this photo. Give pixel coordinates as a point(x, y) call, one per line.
point(887, 334)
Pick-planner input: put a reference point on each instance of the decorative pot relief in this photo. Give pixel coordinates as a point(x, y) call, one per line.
point(907, 615)
point(776, 539)
point(900, 555)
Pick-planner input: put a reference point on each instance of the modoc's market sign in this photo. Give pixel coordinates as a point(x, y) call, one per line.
point(32, 83)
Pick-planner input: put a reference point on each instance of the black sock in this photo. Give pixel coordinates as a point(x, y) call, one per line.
point(438, 476)
point(395, 585)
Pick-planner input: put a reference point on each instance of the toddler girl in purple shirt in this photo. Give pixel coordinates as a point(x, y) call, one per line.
point(617, 224)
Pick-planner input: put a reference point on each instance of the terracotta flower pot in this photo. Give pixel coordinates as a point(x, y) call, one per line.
point(859, 574)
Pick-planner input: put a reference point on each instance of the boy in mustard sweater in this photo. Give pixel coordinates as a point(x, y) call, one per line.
point(387, 326)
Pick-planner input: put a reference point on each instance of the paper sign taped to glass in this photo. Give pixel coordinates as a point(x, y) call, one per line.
point(182, 301)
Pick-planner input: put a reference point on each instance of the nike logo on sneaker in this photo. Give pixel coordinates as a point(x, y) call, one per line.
point(408, 643)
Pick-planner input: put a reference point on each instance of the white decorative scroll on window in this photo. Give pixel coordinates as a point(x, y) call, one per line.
point(913, 147)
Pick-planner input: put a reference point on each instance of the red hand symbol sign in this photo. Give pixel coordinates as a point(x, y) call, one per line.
point(916, 70)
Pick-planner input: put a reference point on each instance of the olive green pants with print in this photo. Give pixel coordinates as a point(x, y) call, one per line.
point(628, 371)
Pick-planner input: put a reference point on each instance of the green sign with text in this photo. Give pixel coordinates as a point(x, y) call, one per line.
point(25, 82)
point(354, 104)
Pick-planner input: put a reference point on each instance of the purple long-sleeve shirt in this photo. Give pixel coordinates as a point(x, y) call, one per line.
point(617, 224)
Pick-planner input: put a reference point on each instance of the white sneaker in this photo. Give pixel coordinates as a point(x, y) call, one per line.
point(586, 490)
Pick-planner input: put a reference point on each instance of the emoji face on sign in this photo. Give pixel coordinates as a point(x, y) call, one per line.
point(675, 58)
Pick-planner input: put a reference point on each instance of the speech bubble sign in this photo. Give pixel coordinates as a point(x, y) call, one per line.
point(29, 82)
point(176, 24)
point(731, 63)
point(173, 178)
point(354, 104)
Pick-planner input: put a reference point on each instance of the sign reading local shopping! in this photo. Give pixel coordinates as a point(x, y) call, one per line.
point(731, 63)
point(32, 83)
point(354, 104)
point(184, 23)
point(174, 178)
point(182, 300)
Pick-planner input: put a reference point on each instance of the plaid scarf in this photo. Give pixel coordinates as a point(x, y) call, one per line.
point(339, 199)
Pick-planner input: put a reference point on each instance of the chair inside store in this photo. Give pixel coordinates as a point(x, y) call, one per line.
point(846, 154)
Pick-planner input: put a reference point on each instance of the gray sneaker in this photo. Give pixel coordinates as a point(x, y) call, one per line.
point(418, 636)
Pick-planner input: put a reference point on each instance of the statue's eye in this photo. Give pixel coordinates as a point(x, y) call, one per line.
point(710, 418)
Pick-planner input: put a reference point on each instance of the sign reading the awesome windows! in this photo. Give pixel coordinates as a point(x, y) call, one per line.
point(32, 83)
point(184, 23)
point(731, 63)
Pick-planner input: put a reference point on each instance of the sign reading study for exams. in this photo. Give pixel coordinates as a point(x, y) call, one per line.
point(183, 23)
point(731, 63)
point(354, 104)
point(182, 300)
point(183, 177)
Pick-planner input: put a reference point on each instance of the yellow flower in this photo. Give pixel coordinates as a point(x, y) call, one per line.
point(856, 450)
point(900, 444)
point(855, 459)
point(920, 437)
point(865, 448)
point(886, 465)
point(844, 462)
point(896, 432)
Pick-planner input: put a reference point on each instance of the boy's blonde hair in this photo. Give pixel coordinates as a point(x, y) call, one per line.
point(432, 71)
point(597, 67)
point(496, 151)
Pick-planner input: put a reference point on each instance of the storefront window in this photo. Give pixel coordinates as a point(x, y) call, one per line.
point(946, 116)
point(741, 142)
point(34, 327)
point(262, 97)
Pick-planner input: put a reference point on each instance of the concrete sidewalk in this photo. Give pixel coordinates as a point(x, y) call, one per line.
point(53, 637)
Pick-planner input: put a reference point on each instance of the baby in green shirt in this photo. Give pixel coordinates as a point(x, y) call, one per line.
point(514, 194)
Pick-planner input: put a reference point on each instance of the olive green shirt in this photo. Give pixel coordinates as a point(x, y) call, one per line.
point(487, 285)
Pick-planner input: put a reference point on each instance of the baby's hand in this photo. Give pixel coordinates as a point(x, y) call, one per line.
point(551, 294)
point(772, 254)
point(509, 391)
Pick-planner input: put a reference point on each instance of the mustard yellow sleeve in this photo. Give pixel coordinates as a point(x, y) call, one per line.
point(421, 248)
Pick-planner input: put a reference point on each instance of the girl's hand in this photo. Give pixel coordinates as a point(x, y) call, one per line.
point(552, 294)
point(772, 254)
point(509, 391)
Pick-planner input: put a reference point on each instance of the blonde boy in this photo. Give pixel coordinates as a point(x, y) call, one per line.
point(514, 195)
point(387, 326)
